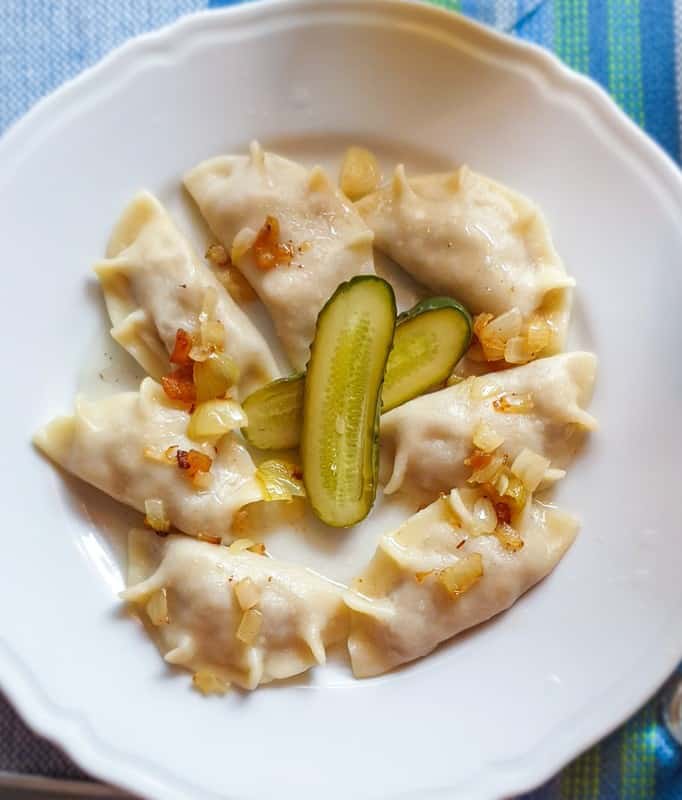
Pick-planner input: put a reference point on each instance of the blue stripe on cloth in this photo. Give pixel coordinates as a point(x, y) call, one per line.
point(43, 43)
point(598, 33)
point(536, 23)
point(223, 3)
point(482, 10)
point(658, 73)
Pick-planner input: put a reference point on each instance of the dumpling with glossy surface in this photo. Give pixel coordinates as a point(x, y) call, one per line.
point(539, 406)
point(154, 284)
point(464, 235)
point(235, 616)
point(436, 576)
point(127, 445)
point(292, 234)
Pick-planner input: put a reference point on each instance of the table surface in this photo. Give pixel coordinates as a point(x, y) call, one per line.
point(631, 47)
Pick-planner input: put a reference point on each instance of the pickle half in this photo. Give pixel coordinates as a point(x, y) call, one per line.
point(342, 400)
point(429, 341)
point(274, 414)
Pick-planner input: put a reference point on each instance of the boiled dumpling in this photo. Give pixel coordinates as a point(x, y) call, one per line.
point(539, 406)
point(461, 234)
point(120, 444)
point(208, 590)
point(154, 284)
point(435, 576)
point(321, 241)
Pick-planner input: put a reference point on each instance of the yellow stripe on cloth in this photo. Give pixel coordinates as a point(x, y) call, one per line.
point(580, 781)
point(638, 758)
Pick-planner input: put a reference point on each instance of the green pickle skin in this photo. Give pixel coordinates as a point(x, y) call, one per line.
point(323, 427)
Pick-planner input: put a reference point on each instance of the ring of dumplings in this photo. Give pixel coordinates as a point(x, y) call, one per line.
point(472, 455)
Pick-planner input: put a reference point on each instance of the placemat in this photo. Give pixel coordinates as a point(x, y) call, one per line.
point(631, 47)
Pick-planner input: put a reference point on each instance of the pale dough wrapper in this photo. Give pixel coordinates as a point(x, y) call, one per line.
point(154, 283)
point(117, 444)
point(401, 611)
point(301, 613)
point(330, 242)
point(466, 236)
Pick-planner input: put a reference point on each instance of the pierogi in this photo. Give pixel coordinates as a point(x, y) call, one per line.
point(471, 458)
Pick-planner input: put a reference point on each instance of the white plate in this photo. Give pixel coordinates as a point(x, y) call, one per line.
point(504, 706)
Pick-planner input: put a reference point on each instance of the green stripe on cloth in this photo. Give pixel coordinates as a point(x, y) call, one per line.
point(625, 57)
point(451, 5)
point(581, 778)
point(638, 757)
point(571, 34)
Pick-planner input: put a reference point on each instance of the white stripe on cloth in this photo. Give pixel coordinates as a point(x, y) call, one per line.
point(507, 14)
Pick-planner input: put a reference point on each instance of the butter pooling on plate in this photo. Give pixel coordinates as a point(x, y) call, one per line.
point(477, 450)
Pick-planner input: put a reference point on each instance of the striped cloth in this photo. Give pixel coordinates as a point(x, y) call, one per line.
point(631, 47)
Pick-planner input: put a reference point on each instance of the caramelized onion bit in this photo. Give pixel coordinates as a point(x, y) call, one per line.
point(514, 403)
point(485, 438)
point(183, 344)
point(158, 456)
point(155, 515)
point(503, 512)
point(214, 419)
point(268, 251)
point(478, 460)
point(516, 351)
point(360, 173)
point(208, 682)
point(240, 545)
point(506, 338)
point(460, 577)
point(192, 461)
point(248, 593)
point(179, 385)
point(530, 468)
point(212, 334)
point(280, 480)
point(486, 466)
point(250, 626)
point(202, 481)
point(485, 518)
point(218, 255)
point(538, 335)
point(508, 537)
point(214, 376)
point(157, 608)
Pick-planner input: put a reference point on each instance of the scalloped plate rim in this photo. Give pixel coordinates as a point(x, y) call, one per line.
point(69, 729)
